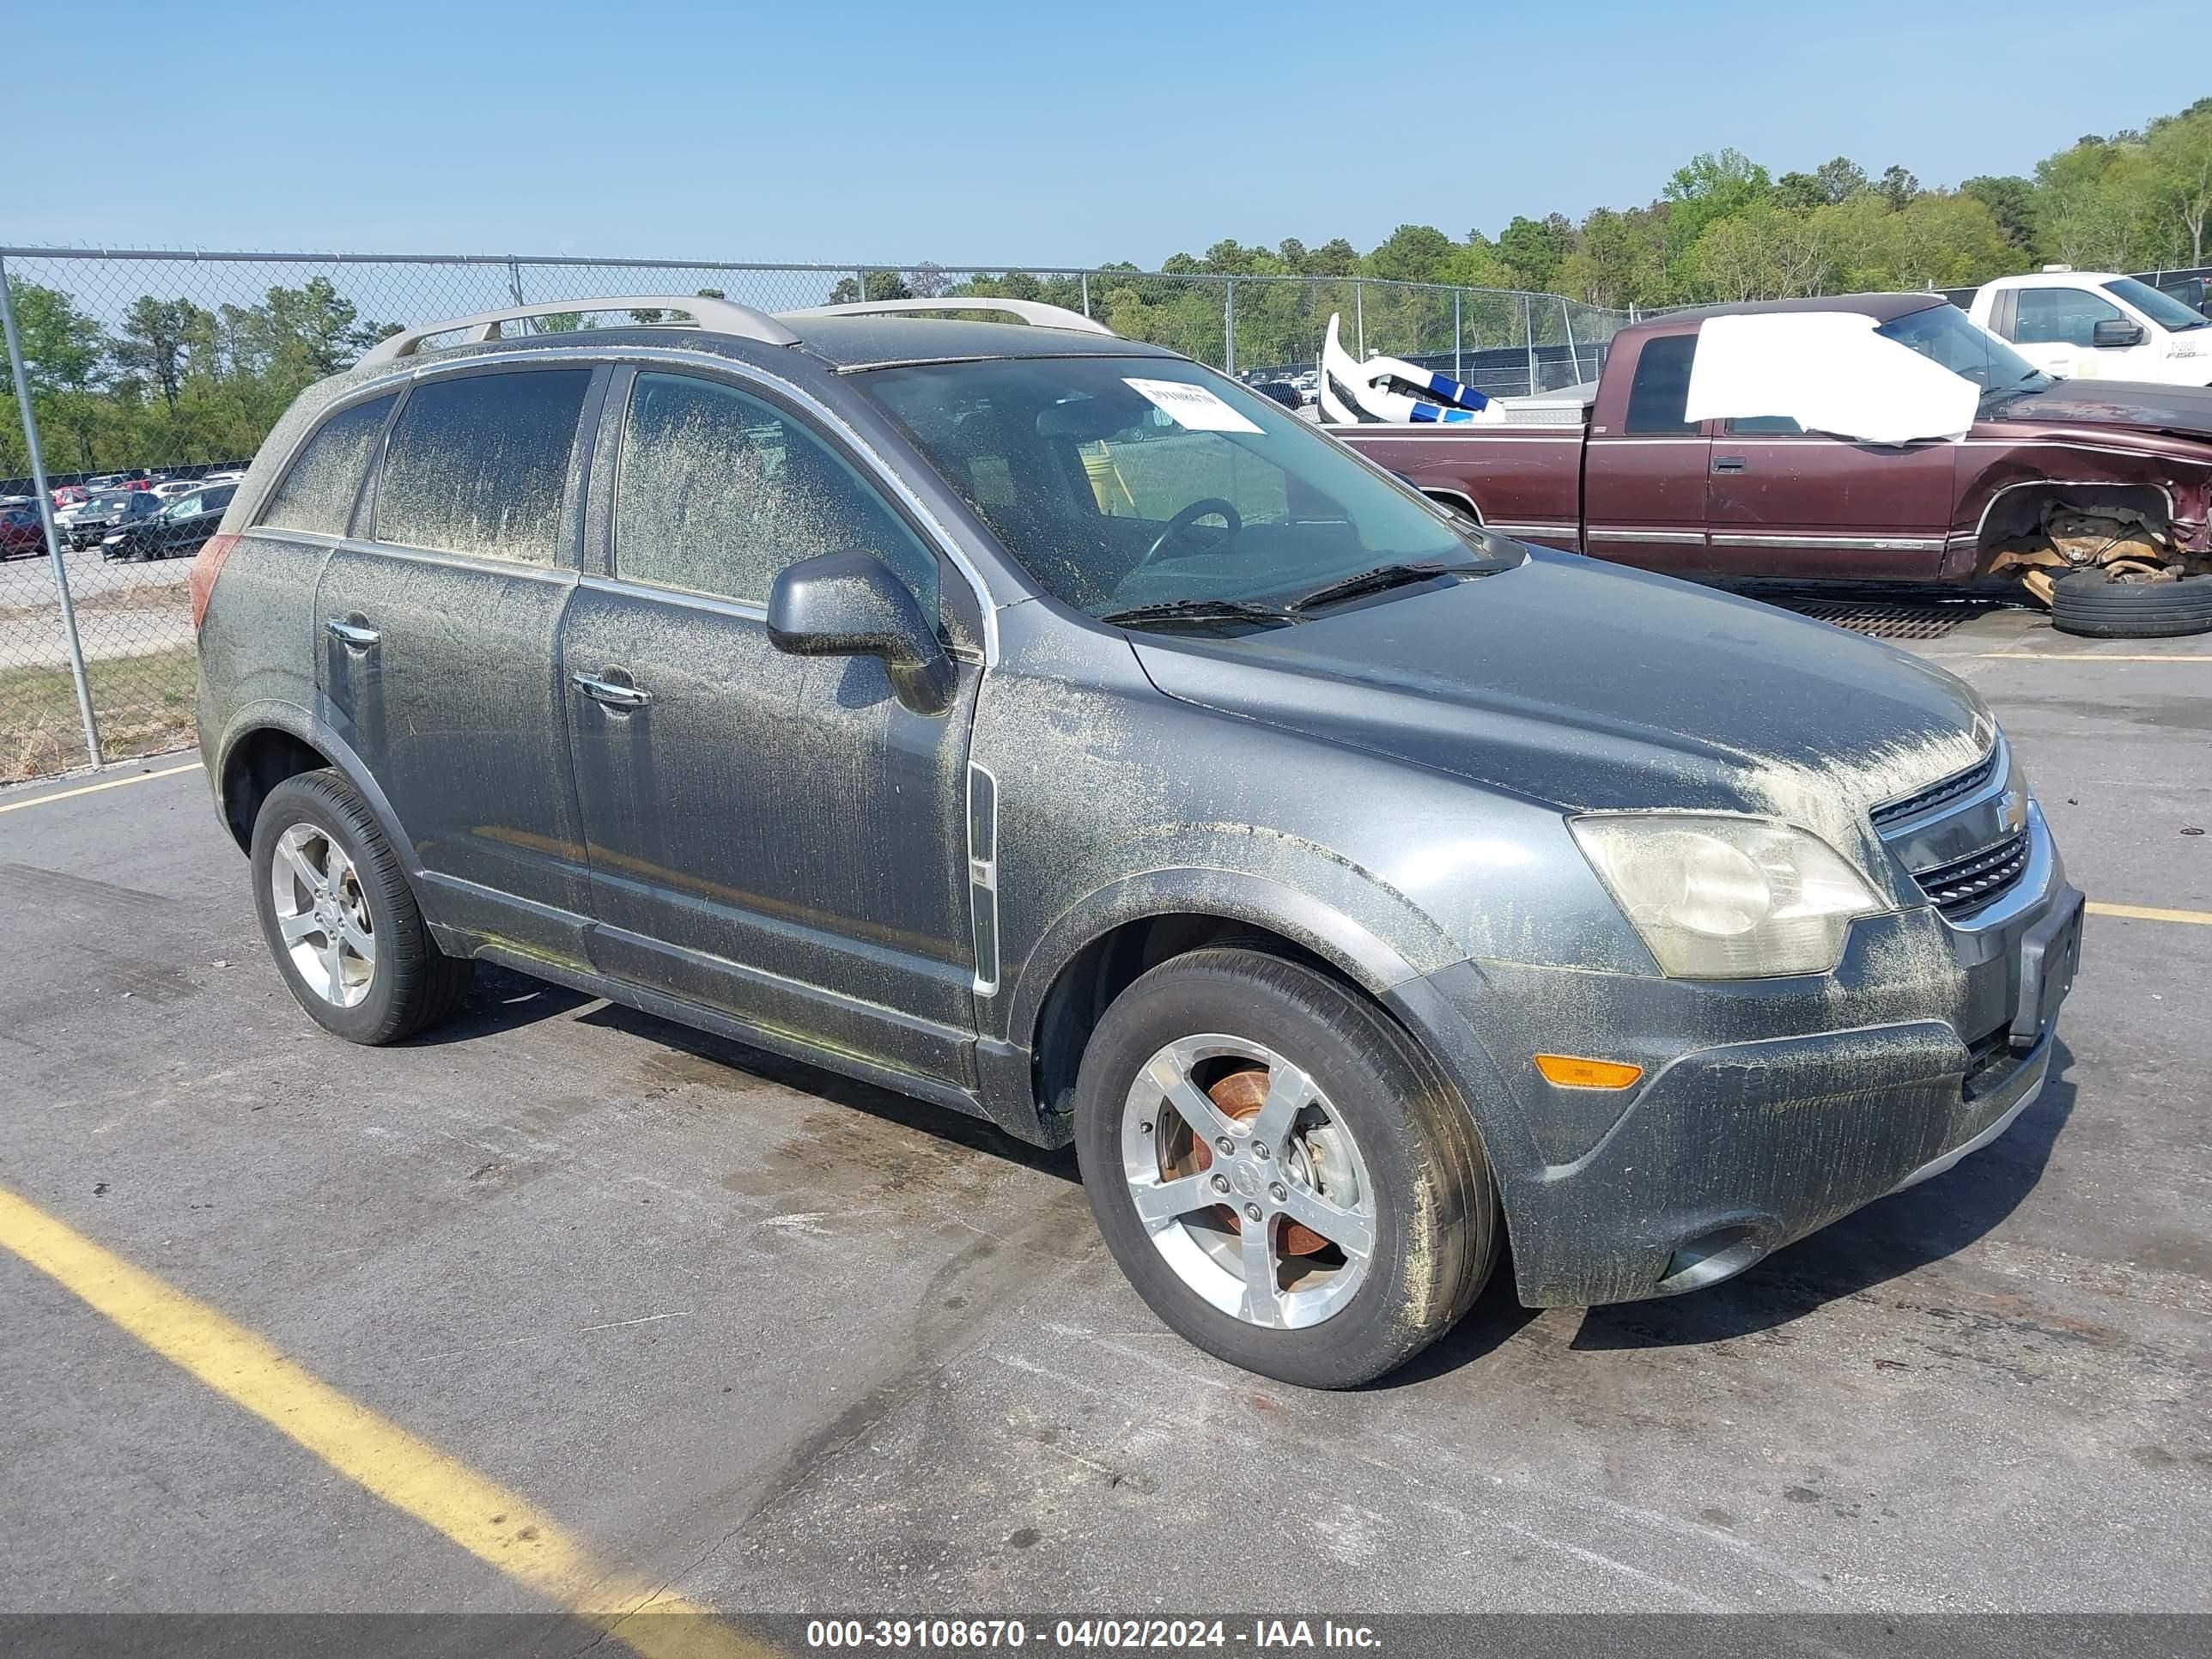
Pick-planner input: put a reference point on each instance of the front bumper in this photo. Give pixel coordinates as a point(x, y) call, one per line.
point(1768, 1108)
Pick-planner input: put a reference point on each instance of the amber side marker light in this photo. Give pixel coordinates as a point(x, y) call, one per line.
point(199, 580)
point(1570, 1072)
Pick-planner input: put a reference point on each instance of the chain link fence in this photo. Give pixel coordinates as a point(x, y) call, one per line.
point(136, 378)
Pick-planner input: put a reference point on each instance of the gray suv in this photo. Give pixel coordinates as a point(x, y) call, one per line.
point(1041, 723)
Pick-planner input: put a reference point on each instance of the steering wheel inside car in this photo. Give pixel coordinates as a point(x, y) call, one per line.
point(1213, 507)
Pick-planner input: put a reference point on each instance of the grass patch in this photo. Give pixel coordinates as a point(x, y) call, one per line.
point(144, 704)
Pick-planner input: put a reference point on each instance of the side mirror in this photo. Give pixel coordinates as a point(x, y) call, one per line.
point(849, 605)
point(2115, 331)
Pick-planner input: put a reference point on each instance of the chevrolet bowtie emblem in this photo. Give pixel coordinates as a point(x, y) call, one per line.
point(2013, 809)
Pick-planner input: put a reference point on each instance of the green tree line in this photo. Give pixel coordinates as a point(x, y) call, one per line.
point(175, 382)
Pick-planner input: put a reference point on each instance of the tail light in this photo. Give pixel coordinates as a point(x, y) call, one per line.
point(200, 582)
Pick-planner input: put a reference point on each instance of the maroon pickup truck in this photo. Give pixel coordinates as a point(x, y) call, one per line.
point(1625, 476)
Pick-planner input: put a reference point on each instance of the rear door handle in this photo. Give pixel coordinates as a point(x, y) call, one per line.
point(1728, 463)
point(353, 635)
point(613, 693)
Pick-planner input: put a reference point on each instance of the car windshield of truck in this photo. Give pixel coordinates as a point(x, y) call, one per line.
point(1149, 490)
point(1943, 334)
point(2161, 307)
point(117, 501)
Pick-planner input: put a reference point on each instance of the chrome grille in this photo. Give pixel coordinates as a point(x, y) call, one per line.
point(1964, 885)
point(1939, 793)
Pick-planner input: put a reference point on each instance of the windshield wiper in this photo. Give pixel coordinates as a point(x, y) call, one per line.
point(1199, 610)
point(1384, 576)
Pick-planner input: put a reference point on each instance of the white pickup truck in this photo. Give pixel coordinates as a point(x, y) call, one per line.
point(2094, 324)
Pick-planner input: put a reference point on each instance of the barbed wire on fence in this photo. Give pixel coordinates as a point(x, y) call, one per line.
point(173, 364)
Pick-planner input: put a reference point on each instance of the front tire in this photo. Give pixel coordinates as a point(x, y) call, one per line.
point(1279, 1172)
point(340, 919)
point(2088, 603)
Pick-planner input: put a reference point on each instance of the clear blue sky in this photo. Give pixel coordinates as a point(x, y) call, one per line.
point(990, 132)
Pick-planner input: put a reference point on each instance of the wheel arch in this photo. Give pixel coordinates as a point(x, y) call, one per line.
point(266, 743)
point(1097, 949)
point(2017, 509)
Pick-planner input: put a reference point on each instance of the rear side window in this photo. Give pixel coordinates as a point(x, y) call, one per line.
point(1660, 391)
point(319, 490)
point(479, 465)
point(716, 491)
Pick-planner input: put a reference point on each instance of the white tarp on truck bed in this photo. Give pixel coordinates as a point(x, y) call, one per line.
point(1830, 372)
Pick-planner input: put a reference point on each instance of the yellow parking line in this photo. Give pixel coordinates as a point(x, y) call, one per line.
point(485, 1519)
point(94, 788)
point(2150, 913)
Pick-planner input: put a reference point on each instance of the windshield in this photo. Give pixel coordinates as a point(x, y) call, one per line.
point(1127, 482)
point(1944, 334)
point(114, 502)
point(2162, 308)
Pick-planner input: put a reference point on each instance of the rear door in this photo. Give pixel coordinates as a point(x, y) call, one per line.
point(1644, 485)
point(1783, 501)
point(776, 837)
point(441, 645)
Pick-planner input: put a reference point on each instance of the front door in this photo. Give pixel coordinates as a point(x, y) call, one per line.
point(1783, 502)
point(777, 837)
point(440, 641)
point(2055, 329)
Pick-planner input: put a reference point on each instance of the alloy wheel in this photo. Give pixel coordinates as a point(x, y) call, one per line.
point(1248, 1180)
point(323, 915)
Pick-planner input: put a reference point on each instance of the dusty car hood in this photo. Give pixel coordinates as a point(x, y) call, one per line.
point(2182, 409)
point(1585, 685)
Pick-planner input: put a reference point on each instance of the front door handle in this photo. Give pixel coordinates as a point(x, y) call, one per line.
point(355, 637)
point(613, 693)
point(1728, 463)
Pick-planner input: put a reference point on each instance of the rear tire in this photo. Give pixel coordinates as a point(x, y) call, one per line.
point(1379, 1149)
point(2084, 602)
point(341, 920)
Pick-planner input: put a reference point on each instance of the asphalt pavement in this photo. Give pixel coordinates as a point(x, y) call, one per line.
point(779, 1341)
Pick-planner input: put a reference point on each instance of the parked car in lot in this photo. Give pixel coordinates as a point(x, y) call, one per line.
point(178, 530)
point(2046, 464)
point(2098, 324)
point(22, 534)
point(93, 522)
point(1041, 723)
point(69, 495)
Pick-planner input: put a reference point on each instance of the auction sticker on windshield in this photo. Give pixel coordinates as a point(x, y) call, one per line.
point(1194, 408)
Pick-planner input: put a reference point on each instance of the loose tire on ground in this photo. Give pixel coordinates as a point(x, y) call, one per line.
point(1435, 1223)
point(2084, 602)
point(410, 984)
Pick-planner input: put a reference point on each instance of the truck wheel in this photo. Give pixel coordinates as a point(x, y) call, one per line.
point(2088, 603)
point(340, 918)
point(1279, 1172)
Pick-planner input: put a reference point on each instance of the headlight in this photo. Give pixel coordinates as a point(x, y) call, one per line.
point(1728, 898)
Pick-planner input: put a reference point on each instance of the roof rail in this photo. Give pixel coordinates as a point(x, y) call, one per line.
point(1036, 313)
point(716, 316)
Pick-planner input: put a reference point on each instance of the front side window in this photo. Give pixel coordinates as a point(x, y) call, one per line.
point(319, 488)
point(1660, 391)
point(479, 463)
point(1946, 335)
point(2062, 316)
point(2173, 315)
point(716, 491)
point(1127, 481)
